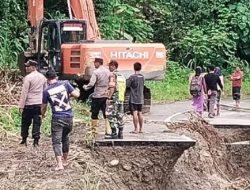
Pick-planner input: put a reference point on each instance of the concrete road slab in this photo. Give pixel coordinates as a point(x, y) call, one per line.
point(154, 123)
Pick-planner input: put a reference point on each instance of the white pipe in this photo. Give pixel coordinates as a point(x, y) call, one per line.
point(69, 8)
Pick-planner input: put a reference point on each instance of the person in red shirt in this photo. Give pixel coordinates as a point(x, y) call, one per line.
point(236, 78)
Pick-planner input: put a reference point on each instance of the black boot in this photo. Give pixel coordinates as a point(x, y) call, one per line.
point(113, 134)
point(24, 141)
point(120, 133)
point(35, 142)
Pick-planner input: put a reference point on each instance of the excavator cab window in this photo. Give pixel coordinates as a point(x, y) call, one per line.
point(50, 46)
point(52, 35)
point(73, 32)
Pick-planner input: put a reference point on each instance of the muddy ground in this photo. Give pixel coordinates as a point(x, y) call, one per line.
point(210, 165)
point(214, 163)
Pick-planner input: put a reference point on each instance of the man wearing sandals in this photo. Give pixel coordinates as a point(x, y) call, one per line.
point(136, 85)
point(58, 95)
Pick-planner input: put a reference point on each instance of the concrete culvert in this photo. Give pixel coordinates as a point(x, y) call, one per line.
point(210, 164)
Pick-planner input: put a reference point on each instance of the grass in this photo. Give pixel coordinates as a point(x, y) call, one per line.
point(10, 118)
point(174, 87)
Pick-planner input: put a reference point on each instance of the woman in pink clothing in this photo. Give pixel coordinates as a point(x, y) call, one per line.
point(198, 100)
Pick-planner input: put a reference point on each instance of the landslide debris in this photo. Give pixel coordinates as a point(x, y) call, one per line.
point(213, 163)
point(209, 165)
point(10, 87)
point(33, 168)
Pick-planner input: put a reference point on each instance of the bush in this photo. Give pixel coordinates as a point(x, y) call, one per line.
point(174, 86)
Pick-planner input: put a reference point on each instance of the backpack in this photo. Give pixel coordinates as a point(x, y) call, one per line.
point(195, 86)
point(120, 86)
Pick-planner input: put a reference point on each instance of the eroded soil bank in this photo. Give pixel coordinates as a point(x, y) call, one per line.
point(140, 167)
point(213, 163)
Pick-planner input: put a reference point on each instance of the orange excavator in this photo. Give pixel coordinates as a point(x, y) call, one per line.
point(69, 46)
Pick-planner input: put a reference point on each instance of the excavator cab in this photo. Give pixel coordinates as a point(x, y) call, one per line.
point(54, 33)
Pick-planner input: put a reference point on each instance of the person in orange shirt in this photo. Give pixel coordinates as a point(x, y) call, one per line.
point(236, 78)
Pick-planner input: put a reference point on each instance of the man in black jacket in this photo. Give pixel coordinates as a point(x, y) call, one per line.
point(212, 80)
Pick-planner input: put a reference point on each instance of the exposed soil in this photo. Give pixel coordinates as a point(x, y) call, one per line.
point(140, 167)
point(33, 168)
point(214, 163)
point(209, 165)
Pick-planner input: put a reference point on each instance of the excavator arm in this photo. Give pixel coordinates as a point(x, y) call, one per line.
point(35, 12)
point(78, 9)
point(35, 15)
point(84, 9)
point(82, 25)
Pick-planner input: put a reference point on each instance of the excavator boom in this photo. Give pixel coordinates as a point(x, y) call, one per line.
point(79, 9)
point(85, 10)
point(35, 12)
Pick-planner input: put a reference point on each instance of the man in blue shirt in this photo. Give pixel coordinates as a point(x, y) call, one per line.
point(57, 94)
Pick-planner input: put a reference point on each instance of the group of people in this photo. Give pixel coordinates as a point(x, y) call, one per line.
point(37, 91)
point(108, 97)
point(206, 89)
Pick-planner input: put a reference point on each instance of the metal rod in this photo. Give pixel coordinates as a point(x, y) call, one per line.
point(69, 8)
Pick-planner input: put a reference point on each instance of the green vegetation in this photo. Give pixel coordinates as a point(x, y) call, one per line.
point(10, 118)
point(197, 32)
point(174, 86)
